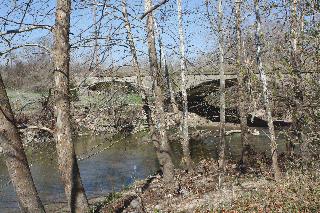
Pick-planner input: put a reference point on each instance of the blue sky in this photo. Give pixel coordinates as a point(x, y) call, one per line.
point(42, 12)
point(199, 39)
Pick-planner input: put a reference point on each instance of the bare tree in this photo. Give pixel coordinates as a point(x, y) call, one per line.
point(296, 64)
point(164, 65)
point(168, 79)
point(136, 66)
point(131, 42)
point(222, 88)
point(96, 34)
point(159, 135)
point(68, 166)
point(241, 77)
point(184, 125)
point(154, 7)
point(16, 159)
point(266, 93)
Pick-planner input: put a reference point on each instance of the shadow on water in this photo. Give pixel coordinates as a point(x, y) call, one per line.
point(114, 168)
point(208, 146)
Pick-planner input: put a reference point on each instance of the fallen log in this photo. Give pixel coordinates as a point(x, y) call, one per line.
point(120, 204)
point(233, 132)
point(36, 128)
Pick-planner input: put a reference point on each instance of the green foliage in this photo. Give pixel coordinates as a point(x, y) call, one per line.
point(117, 85)
point(133, 99)
point(156, 211)
point(24, 100)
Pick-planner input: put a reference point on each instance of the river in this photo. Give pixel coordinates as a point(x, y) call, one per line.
point(112, 168)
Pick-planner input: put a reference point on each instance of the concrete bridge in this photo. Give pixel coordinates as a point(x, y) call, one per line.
point(192, 80)
point(199, 87)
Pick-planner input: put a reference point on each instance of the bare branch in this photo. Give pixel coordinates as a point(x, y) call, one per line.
point(22, 24)
point(154, 8)
point(27, 29)
point(24, 45)
point(38, 128)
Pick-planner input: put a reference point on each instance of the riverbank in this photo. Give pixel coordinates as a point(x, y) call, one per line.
point(248, 188)
point(92, 113)
point(207, 190)
point(95, 113)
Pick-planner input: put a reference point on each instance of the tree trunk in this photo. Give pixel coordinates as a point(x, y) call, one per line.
point(131, 42)
point(184, 126)
point(159, 135)
point(136, 66)
point(168, 86)
point(241, 78)
point(297, 111)
point(222, 89)
point(16, 159)
point(266, 94)
point(241, 85)
point(170, 92)
point(96, 44)
point(68, 165)
point(316, 27)
point(294, 32)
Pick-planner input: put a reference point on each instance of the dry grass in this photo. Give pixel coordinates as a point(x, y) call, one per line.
point(298, 191)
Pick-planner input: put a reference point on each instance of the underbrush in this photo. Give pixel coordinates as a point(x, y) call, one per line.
point(107, 200)
point(298, 191)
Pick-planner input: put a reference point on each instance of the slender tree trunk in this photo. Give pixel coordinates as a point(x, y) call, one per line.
point(241, 77)
point(137, 69)
point(266, 95)
point(159, 135)
point(222, 89)
point(248, 72)
point(166, 83)
point(16, 159)
point(316, 27)
point(242, 73)
point(295, 32)
point(68, 165)
point(294, 28)
point(131, 43)
point(96, 45)
point(184, 126)
point(167, 77)
point(295, 62)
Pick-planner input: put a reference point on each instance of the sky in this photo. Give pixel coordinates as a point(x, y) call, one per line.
point(42, 12)
point(113, 47)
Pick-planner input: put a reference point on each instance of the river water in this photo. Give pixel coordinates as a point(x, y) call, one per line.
point(114, 168)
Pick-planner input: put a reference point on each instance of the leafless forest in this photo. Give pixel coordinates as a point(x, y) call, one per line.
point(159, 106)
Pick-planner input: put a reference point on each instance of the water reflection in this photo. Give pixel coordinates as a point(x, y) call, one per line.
point(114, 168)
point(111, 170)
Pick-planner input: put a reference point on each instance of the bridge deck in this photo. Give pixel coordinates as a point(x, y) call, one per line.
point(191, 80)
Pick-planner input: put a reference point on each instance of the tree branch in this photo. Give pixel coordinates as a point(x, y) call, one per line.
point(24, 45)
point(27, 29)
point(38, 128)
point(154, 8)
